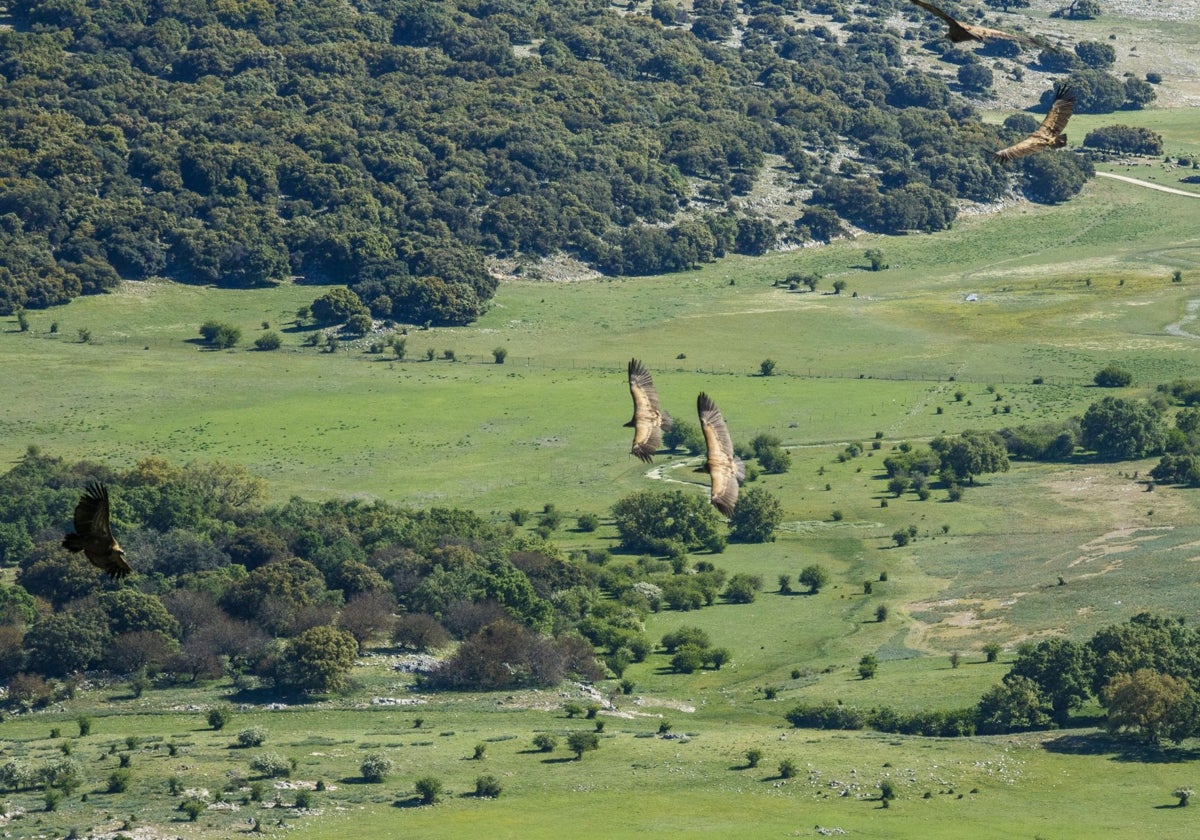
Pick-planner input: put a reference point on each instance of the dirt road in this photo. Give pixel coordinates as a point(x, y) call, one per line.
point(1129, 180)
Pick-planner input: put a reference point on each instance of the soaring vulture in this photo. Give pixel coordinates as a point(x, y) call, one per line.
point(960, 32)
point(93, 536)
point(1048, 135)
point(724, 468)
point(649, 421)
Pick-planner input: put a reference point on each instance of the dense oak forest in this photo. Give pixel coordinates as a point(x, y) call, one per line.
point(391, 145)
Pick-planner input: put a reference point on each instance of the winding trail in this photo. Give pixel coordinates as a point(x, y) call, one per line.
point(1147, 184)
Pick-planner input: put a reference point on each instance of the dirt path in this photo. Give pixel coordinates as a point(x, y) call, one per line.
point(1129, 180)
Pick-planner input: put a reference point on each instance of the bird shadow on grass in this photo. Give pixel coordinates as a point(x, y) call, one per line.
point(1120, 748)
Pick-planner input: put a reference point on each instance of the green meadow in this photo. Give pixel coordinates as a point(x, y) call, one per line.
point(902, 354)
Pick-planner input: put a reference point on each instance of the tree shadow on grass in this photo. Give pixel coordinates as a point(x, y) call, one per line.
point(1120, 748)
point(263, 696)
point(567, 760)
point(409, 802)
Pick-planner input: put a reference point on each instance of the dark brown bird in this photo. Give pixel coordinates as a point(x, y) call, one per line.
point(724, 469)
point(960, 31)
point(649, 421)
point(93, 536)
point(1048, 135)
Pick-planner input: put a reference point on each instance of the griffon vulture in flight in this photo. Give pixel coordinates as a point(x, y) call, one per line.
point(93, 536)
point(960, 32)
point(1048, 135)
point(649, 421)
point(724, 469)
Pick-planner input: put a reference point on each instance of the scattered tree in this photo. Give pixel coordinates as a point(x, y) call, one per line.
point(429, 790)
point(867, 666)
point(581, 741)
point(815, 577)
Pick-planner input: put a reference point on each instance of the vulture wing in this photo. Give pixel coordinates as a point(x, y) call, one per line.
point(725, 469)
point(93, 534)
point(91, 514)
point(1049, 133)
point(960, 31)
point(649, 420)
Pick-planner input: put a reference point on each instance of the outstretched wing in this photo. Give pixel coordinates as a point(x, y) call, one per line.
point(649, 420)
point(725, 470)
point(960, 31)
point(934, 10)
point(93, 534)
point(1049, 133)
point(91, 514)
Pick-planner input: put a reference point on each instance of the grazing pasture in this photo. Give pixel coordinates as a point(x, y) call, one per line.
point(1059, 292)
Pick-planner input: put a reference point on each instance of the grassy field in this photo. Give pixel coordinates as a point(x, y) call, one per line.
point(1062, 292)
point(1039, 550)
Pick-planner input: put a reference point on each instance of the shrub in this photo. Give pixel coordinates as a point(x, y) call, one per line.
point(992, 651)
point(766, 367)
point(429, 790)
point(193, 807)
point(499, 354)
point(688, 659)
point(581, 741)
point(480, 751)
point(85, 726)
point(787, 769)
point(375, 767)
point(219, 717)
point(271, 764)
point(815, 577)
point(588, 522)
point(1113, 377)
point(753, 756)
point(118, 781)
point(868, 665)
point(881, 612)
point(268, 341)
point(545, 742)
point(252, 736)
point(304, 800)
point(487, 786)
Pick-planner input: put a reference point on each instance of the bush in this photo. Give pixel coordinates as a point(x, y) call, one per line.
point(788, 769)
point(487, 786)
point(268, 341)
point(499, 354)
point(766, 367)
point(375, 767)
point(219, 717)
point(304, 800)
point(975, 76)
point(688, 659)
point(271, 764)
point(545, 742)
point(753, 757)
point(1113, 377)
point(118, 781)
point(252, 736)
point(581, 741)
point(429, 790)
point(815, 577)
point(868, 665)
point(193, 807)
point(588, 522)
